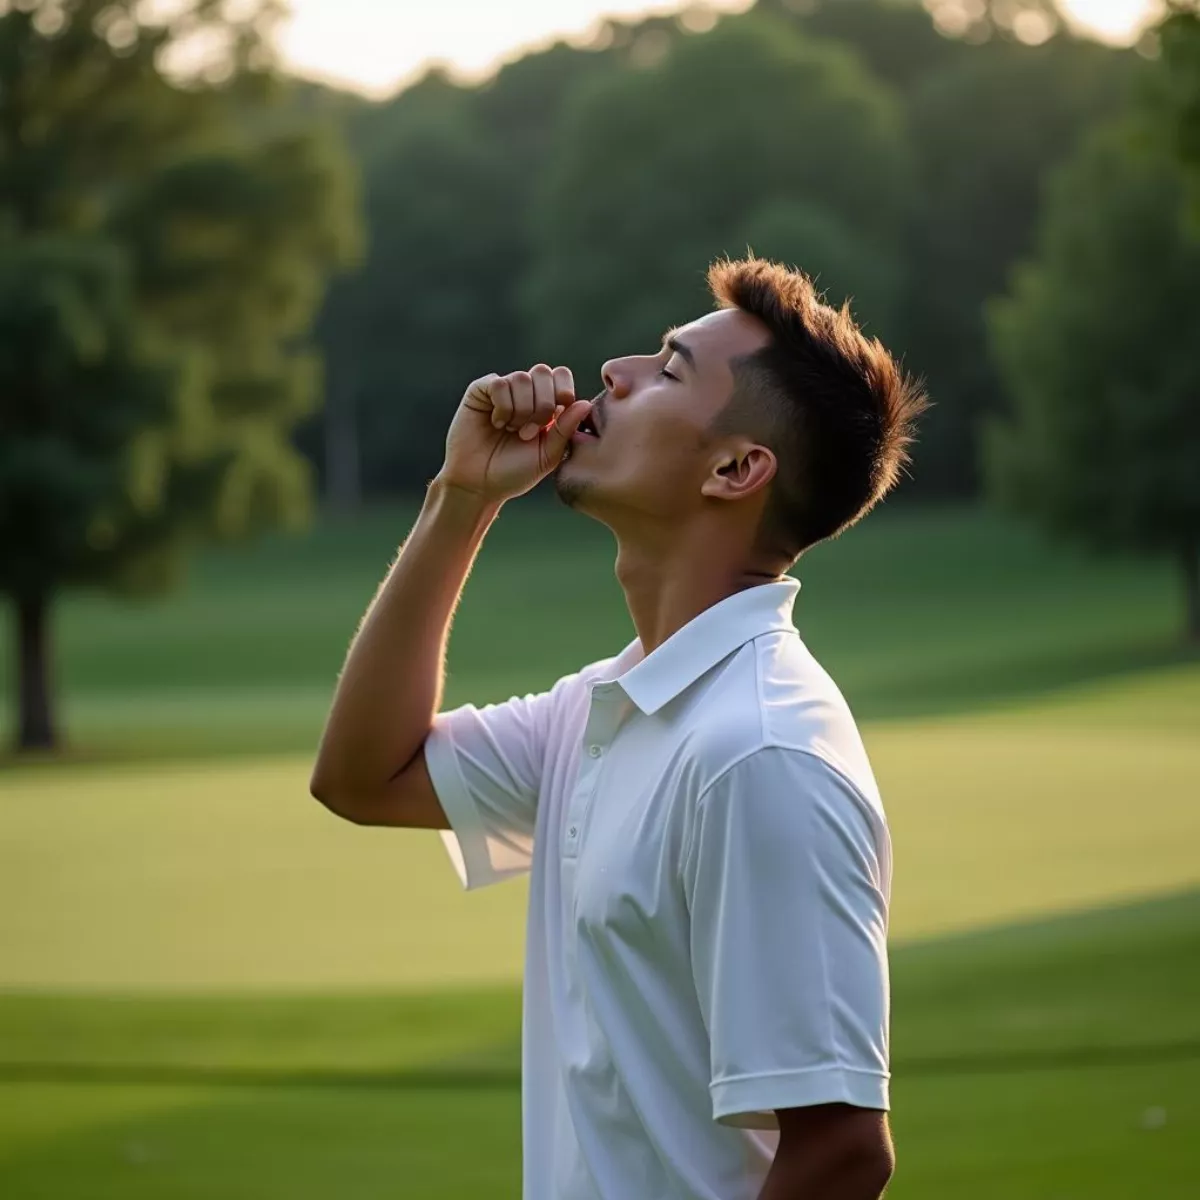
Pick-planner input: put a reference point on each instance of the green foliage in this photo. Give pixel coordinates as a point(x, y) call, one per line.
point(650, 179)
point(567, 208)
point(432, 307)
point(845, 267)
point(93, 426)
point(1097, 344)
point(1180, 37)
point(895, 39)
point(986, 131)
point(163, 248)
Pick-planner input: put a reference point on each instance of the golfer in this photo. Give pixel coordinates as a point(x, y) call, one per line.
point(706, 980)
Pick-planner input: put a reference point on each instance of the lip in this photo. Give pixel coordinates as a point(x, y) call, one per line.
point(578, 437)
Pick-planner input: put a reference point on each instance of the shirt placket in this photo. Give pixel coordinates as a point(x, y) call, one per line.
point(606, 710)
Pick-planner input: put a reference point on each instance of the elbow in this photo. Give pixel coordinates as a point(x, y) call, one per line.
point(882, 1167)
point(323, 791)
point(874, 1165)
point(334, 797)
point(834, 1144)
point(319, 788)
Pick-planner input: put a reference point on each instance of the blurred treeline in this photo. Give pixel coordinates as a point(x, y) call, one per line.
point(210, 273)
point(565, 210)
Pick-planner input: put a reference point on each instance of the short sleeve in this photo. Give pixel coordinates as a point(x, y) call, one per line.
point(787, 875)
point(486, 767)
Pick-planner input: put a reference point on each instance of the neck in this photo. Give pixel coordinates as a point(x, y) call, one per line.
point(670, 580)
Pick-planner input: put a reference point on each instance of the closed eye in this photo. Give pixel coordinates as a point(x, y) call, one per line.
point(668, 374)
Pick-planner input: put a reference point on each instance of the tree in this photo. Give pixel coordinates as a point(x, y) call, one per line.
point(87, 423)
point(841, 265)
point(432, 307)
point(1096, 342)
point(895, 39)
point(986, 132)
point(1179, 35)
point(657, 169)
point(163, 244)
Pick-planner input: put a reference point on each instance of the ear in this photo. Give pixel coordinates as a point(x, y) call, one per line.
point(740, 473)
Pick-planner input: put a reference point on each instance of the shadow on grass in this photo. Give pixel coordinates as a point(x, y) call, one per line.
point(961, 690)
point(970, 688)
point(458, 1078)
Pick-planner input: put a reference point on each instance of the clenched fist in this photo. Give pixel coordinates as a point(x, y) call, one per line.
point(510, 431)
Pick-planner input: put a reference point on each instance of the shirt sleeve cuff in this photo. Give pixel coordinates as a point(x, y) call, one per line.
point(750, 1101)
point(466, 841)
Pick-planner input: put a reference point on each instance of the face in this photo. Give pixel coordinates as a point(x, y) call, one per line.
point(653, 457)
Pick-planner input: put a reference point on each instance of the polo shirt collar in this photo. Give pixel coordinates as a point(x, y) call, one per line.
point(656, 679)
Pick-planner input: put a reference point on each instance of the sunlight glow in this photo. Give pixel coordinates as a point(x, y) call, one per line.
point(1112, 20)
point(375, 46)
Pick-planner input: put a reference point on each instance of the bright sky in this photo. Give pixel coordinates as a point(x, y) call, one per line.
point(374, 45)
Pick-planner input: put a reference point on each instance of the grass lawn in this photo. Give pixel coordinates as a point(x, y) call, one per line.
point(220, 875)
point(915, 613)
point(1043, 1061)
point(210, 989)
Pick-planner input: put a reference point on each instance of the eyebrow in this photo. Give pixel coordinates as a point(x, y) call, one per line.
point(679, 348)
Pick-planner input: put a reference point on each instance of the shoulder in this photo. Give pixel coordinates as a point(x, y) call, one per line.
point(774, 695)
point(788, 805)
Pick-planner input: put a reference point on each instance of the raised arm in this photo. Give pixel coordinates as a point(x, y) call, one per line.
point(507, 434)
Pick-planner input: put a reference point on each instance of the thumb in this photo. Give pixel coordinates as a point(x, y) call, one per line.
point(558, 437)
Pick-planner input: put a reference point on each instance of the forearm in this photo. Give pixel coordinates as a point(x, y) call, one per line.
point(390, 688)
point(830, 1152)
point(848, 1181)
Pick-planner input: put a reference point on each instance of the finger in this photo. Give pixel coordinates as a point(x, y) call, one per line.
point(521, 383)
point(564, 385)
point(479, 394)
point(544, 395)
point(502, 402)
point(558, 436)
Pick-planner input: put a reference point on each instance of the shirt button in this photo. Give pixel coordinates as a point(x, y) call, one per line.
point(573, 832)
point(595, 751)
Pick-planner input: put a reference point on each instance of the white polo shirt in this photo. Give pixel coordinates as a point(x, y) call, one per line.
point(708, 902)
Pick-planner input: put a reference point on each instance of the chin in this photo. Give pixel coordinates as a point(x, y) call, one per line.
point(570, 486)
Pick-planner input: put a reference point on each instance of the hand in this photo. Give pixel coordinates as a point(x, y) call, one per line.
point(511, 431)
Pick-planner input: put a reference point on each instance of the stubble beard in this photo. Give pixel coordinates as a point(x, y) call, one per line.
point(570, 491)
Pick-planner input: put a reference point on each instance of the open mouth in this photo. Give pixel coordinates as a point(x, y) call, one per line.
point(587, 427)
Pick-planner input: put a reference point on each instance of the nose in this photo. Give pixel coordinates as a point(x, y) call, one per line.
point(616, 376)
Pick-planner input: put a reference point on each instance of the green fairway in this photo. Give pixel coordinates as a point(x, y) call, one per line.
point(916, 613)
point(225, 875)
point(1038, 1135)
point(210, 988)
point(1047, 1060)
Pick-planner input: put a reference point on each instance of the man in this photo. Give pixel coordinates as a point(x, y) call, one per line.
point(706, 995)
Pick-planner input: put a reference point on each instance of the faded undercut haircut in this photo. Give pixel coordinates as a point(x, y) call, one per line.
point(831, 403)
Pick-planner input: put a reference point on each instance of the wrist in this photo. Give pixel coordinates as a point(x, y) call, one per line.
point(461, 503)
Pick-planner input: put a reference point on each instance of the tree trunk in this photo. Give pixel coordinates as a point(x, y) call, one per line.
point(36, 726)
point(1190, 561)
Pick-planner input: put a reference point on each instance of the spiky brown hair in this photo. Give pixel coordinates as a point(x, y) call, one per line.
point(831, 403)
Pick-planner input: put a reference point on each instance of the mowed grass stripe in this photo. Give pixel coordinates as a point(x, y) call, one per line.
point(1109, 1135)
point(917, 612)
point(1107, 1131)
point(1099, 987)
point(223, 876)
